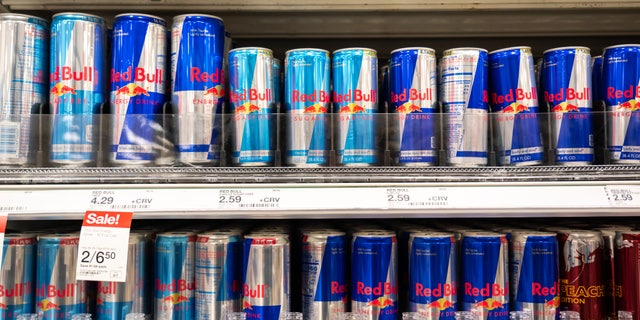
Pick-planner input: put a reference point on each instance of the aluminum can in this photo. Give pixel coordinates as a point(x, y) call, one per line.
point(355, 99)
point(77, 84)
point(485, 275)
point(627, 286)
point(609, 266)
point(582, 286)
point(383, 85)
point(374, 275)
point(266, 275)
point(412, 99)
point(324, 274)
point(174, 276)
point(568, 93)
point(218, 274)
point(307, 99)
point(621, 93)
point(253, 104)
point(514, 104)
point(198, 89)
point(596, 79)
point(433, 271)
point(464, 84)
point(534, 274)
point(598, 108)
point(23, 67)
point(277, 80)
point(115, 300)
point(138, 88)
point(17, 276)
point(58, 294)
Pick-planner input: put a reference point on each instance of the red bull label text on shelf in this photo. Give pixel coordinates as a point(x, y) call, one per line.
point(138, 88)
point(174, 276)
point(412, 97)
point(566, 74)
point(485, 275)
point(77, 86)
point(307, 100)
point(355, 99)
point(621, 83)
point(374, 275)
point(197, 52)
point(514, 103)
point(17, 276)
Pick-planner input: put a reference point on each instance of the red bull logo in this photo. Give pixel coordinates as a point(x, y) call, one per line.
point(52, 291)
point(99, 302)
point(352, 108)
point(315, 96)
point(315, 109)
point(246, 306)
point(631, 105)
point(246, 108)
point(440, 304)
point(256, 292)
point(537, 289)
point(553, 303)
point(46, 305)
point(447, 289)
point(490, 304)
point(408, 107)
point(87, 74)
point(175, 285)
point(569, 94)
point(356, 95)
point(175, 298)
point(412, 95)
point(216, 91)
point(383, 288)
point(251, 94)
point(565, 107)
point(515, 108)
point(3, 306)
point(18, 290)
point(489, 290)
point(132, 90)
point(381, 303)
point(513, 96)
point(195, 75)
point(632, 93)
point(138, 75)
point(61, 89)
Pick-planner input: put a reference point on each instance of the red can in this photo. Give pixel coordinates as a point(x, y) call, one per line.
point(628, 272)
point(582, 286)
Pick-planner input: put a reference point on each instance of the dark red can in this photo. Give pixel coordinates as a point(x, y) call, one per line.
point(582, 286)
point(628, 272)
point(608, 267)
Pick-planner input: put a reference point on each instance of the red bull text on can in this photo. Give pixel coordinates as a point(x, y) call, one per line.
point(17, 276)
point(174, 276)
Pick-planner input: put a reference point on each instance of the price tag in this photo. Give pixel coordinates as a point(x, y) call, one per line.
point(122, 200)
point(103, 247)
point(249, 199)
point(623, 196)
point(417, 197)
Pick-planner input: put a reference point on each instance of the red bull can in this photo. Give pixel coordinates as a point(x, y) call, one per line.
point(77, 87)
point(621, 82)
point(627, 286)
point(324, 274)
point(266, 280)
point(534, 273)
point(581, 279)
point(514, 103)
point(252, 100)
point(115, 300)
point(598, 105)
point(175, 279)
point(24, 68)
point(464, 82)
point(412, 97)
point(276, 79)
point(433, 275)
point(355, 100)
point(609, 268)
point(17, 276)
point(596, 79)
point(138, 88)
point(307, 97)
point(485, 275)
point(567, 92)
point(198, 89)
point(58, 294)
point(218, 274)
point(374, 275)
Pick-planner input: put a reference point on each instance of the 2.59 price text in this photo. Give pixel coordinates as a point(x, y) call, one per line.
point(230, 199)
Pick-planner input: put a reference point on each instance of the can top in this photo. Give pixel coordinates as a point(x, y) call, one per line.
point(195, 15)
point(354, 49)
point(414, 48)
point(323, 233)
point(218, 235)
point(176, 234)
point(21, 17)
point(482, 234)
point(580, 232)
point(251, 48)
point(19, 238)
point(621, 46)
point(629, 232)
point(306, 49)
point(431, 234)
point(78, 16)
point(59, 238)
point(567, 48)
point(374, 233)
point(510, 49)
point(450, 51)
point(535, 233)
point(141, 16)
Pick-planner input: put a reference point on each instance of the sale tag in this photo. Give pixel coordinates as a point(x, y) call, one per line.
point(103, 247)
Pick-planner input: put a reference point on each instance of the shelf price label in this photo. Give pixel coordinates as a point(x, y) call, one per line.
point(103, 247)
point(623, 196)
point(417, 197)
point(250, 199)
point(121, 200)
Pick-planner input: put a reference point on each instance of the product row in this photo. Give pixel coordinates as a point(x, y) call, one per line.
point(373, 271)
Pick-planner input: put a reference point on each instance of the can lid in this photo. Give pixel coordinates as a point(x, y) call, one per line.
point(307, 49)
point(566, 48)
point(374, 233)
point(59, 236)
point(176, 234)
point(482, 234)
point(465, 49)
point(323, 233)
point(634, 232)
point(580, 232)
point(195, 15)
point(143, 16)
point(78, 14)
point(621, 46)
point(596, 57)
point(251, 48)
point(510, 49)
point(414, 48)
point(20, 17)
point(526, 232)
point(431, 234)
point(355, 48)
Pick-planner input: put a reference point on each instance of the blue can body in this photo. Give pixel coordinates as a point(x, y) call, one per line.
point(596, 79)
point(534, 273)
point(374, 275)
point(77, 86)
point(138, 87)
point(197, 54)
point(485, 275)
point(253, 104)
point(567, 89)
point(514, 103)
point(413, 100)
point(307, 100)
point(433, 291)
point(621, 83)
point(17, 277)
point(355, 99)
point(175, 276)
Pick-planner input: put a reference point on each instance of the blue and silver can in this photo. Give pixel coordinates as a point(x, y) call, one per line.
point(77, 86)
point(567, 91)
point(514, 103)
point(355, 99)
point(17, 276)
point(412, 99)
point(596, 79)
point(621, 82)
point(197, 52)
point(464, 82)
point(276, 78)
point(307, 100)
point(174, 276)
point(23, 67)
point(253, 104)
point(138, 88)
